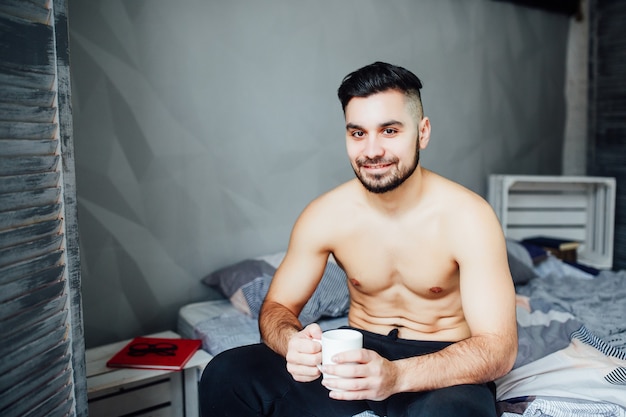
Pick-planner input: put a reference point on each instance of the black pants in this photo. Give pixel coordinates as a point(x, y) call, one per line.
point(253, 381)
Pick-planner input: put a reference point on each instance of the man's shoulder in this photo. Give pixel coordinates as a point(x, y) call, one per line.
point(448, 191)
point(332, 204)
point(341, 194)
point(458, 206)
point(324, 218)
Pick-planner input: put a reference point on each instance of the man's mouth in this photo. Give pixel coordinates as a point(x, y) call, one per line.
point(375, 166)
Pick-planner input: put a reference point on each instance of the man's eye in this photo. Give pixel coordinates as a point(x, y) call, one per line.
point(358, 134)
point(390, 131)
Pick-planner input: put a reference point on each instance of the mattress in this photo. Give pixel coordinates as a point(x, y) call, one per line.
point(221, 326)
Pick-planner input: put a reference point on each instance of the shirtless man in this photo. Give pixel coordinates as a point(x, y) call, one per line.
point(429, 283)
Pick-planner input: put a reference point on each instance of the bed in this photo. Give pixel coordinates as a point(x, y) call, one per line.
point(571, 319)
point(571, 326)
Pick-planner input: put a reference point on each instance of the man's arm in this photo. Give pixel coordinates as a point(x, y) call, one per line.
point(277, 325)
point(294, 282)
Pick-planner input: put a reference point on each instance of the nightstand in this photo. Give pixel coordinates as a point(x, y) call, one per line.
point(141, 392)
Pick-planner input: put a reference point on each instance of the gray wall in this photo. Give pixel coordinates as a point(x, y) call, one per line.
point(203, 128)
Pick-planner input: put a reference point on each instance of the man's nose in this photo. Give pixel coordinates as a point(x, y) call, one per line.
point(373, 148)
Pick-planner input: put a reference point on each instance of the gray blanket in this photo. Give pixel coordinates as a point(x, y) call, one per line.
point(599, 303)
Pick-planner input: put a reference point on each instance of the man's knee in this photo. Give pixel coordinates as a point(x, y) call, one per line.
point(455, 401)
point(246, 363)
point(466, 400)
point(219, 369)
point(232, 378)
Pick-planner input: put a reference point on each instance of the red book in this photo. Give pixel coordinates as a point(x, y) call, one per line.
point(155, 353)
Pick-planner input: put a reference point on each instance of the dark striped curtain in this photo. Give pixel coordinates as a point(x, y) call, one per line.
point(42, 371)
point(607, 107)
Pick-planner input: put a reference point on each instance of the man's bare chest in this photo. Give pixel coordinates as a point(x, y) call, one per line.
point(421, 264)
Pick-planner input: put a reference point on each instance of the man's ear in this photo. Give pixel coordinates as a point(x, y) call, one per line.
point(424, 129)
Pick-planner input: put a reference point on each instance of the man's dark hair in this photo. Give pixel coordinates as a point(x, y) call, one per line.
point(379, 77)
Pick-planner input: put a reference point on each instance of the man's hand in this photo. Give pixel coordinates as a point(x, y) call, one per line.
point(362, 375)
point(305, 354)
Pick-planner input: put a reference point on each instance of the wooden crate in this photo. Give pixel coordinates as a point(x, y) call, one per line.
point(569, 207)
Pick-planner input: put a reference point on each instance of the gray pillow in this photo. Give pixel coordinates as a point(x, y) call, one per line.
point(520, 262)
point(230, 278)
point(330, 299)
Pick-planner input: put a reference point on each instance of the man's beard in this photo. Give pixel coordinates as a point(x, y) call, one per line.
point(382, 183)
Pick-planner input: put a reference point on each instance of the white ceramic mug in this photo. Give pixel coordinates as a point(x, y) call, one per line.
point(336, 341)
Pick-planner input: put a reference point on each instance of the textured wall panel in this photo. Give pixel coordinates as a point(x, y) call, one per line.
point(203, 128)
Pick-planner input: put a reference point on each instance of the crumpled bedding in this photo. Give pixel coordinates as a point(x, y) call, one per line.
point(540, 406)
point(600, 303)
point(572, 352)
